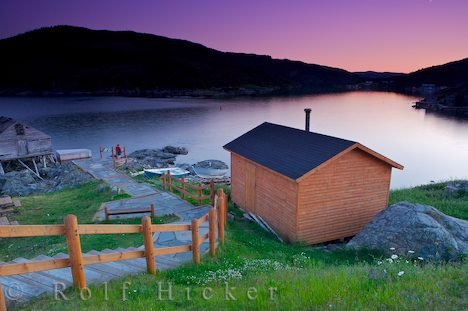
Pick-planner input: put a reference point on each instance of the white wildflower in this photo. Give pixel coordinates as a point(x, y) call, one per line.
point(390, 260)
point(420, 258)
point(379, 262)
point(392, 248)
point(411, 252)
point(401, 273)
point(394, 257)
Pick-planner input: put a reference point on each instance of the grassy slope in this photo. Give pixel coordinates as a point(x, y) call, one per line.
point(455, 204)
point(304, 277)
point(50, 208)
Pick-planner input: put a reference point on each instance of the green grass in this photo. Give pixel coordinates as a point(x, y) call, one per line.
point(302, 277)
point(51, 208)
point(453, 204)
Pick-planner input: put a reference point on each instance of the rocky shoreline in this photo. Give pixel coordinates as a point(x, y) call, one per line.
point(450, 101)
point(433, 106)
point(19, 182)
point(154, 158)
point(55, 177)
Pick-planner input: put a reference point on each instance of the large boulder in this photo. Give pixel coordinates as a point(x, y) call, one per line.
point(175, 150)
point(151, 153)
point(151, 158)
point(404, 228)
point(214, 164)
point(460, 186)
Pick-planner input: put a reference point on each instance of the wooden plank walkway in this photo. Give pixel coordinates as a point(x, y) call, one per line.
point(22, 288)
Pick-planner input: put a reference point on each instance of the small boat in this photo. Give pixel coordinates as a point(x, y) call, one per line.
point(210, 168)
point(157, 172)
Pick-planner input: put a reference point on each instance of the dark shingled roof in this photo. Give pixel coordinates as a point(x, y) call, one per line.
point(288, 151)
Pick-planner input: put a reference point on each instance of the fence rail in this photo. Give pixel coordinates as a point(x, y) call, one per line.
point(182, 186)
point(216, 217)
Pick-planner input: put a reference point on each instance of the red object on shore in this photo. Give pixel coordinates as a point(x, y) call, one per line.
point(118, 150)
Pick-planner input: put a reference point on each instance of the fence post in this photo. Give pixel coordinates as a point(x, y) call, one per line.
point(2, 300)
point(164, 181)
point(199, 193)
point(149, 247)
point(182, 180)
point(225, 208)
point(221, 214)
point(212, 230)
point(195, 242)
point(106, 212)
point(170, 181)
point(153, 213)
point(212, 192)
point(74, 251)
point(113, 156)
point(100, 151)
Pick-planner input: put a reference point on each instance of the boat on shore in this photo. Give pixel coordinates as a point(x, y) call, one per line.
point(158, 172)
point(210, 168)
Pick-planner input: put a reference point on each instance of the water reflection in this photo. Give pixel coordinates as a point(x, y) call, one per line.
point(431, 147)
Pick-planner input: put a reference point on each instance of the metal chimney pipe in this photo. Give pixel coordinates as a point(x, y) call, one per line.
point(307, 119)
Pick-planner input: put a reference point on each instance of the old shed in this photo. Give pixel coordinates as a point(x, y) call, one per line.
point(307, 186)
point(19, 141)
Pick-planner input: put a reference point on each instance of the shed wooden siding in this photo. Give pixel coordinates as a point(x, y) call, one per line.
point(275, 195)
point(336, 201)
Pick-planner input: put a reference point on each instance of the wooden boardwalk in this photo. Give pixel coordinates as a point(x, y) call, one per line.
point(24, 287)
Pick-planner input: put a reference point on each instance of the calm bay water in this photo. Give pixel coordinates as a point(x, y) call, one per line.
point(431, 147)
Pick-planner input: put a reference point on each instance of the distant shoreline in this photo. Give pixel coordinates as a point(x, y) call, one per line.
point(443, 109)
point(214, 93)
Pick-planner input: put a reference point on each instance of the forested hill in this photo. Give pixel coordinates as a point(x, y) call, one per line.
point(450, 74)
point(73, 60)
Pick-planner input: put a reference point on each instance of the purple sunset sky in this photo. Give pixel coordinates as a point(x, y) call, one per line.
point(381, 35)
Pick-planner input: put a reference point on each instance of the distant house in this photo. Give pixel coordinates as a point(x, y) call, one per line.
point(20, 141)
point(308, 187)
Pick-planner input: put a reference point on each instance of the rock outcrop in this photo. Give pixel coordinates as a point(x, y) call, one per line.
point(214, 164)
point(457, 186)
point(151, 158)
point(56, 177)
point(406, 228)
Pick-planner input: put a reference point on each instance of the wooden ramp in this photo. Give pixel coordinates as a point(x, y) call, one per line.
point(22, 288)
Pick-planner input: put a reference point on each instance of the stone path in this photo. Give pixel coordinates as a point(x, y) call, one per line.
point(103, 169)
point(24, 287)
point(143, 195)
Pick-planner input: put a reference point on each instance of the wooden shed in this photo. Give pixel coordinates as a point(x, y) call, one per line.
point(308, 187)
point(20, 141)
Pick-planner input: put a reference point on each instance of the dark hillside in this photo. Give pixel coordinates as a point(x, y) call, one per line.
point(65, 59)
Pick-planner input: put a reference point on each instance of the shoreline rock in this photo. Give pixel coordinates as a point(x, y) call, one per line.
point(404, 228)
point(151, 158)
point(56, 177)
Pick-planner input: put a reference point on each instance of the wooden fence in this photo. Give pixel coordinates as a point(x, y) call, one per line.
point(183, 187)
point(72, 231)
